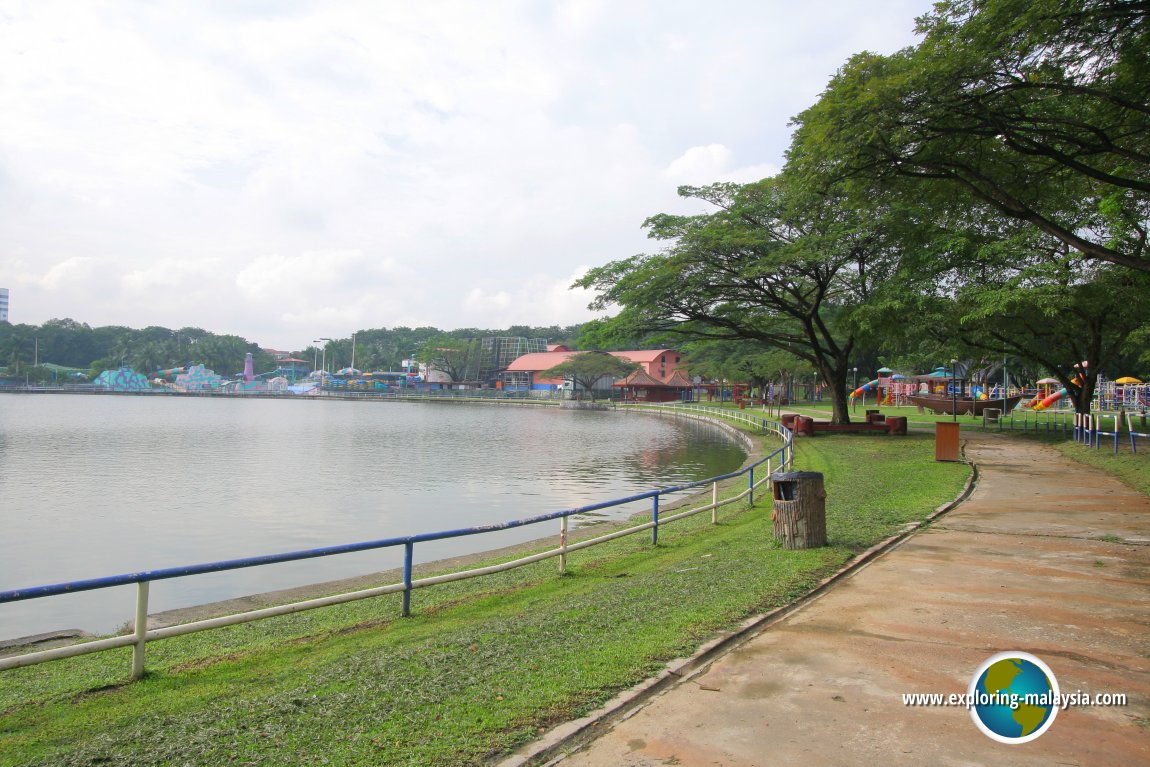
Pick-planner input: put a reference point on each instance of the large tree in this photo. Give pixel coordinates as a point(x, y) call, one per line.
point(585, 369)
point(773, 264)
point(458, 358)
point(1036, 109)
point(1014, 291)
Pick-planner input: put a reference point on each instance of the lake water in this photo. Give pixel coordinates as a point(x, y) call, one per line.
point(92, 486)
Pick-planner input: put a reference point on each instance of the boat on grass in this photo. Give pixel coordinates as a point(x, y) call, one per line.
point(942, 404)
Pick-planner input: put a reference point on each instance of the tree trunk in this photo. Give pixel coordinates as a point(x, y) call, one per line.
point(836, 378)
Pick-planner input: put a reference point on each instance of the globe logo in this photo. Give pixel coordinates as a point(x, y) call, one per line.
point(1014, 697)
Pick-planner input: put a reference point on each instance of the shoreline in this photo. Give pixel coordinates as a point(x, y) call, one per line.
point(60, 637)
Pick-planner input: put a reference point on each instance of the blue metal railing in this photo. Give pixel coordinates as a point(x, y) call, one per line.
point(782, 456)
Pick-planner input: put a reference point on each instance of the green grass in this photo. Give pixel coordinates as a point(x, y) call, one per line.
point(1131, 468)
point(1054, 428)
point(483, 665)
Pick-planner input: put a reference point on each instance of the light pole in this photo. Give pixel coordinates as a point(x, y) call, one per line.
point(855, 386)
point(323, 365)
point(953, 390)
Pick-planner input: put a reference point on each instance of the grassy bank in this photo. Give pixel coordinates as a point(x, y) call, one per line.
point(483, 665)
point(1052, 428)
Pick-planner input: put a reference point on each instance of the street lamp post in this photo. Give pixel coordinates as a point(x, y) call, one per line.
point(855, 385)
point(953, 389)
point(323, 364)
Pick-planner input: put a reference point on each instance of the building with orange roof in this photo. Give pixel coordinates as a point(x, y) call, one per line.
point(524, 373)
point(641, 386)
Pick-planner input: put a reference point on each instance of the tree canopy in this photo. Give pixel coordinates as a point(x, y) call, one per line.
point(774, 264)
point(985, 192)
point(1037, 109)
point(586, 369)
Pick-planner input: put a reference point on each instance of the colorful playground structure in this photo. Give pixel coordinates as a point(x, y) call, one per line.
point(1042, 403)
point(1120, 409)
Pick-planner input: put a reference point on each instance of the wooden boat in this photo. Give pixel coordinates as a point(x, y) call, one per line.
point(944, 404)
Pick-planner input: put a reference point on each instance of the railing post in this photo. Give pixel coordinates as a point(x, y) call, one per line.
point(655, 521)
point(408, 555)
point(751, 487)
point(141, 629)
point(563, 544)
point(714, 503)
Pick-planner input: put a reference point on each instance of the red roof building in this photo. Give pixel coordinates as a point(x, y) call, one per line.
point(523, 372)
point(640, 386)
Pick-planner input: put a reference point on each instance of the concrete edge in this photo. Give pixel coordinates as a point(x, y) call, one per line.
point(555, 745)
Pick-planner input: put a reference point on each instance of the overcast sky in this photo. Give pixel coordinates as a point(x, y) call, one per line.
point(286, 170)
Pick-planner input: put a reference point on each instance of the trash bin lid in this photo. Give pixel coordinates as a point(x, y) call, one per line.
point(791, 476)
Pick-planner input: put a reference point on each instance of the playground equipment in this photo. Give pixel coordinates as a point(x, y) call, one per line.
point(1126, 393)
point(862, 390)
point(889, 388)
point(1077, 381)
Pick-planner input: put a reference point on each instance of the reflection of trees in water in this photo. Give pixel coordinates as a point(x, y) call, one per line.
point(675, 454)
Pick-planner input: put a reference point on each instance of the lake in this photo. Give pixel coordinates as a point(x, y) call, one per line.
point(92, 486)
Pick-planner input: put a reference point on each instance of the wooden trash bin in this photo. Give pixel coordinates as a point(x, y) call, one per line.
point(800, 509)
point(990, 415)
point(946, 447)
point(896, 424)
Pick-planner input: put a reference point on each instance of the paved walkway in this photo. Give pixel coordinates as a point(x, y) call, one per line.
point(1046, 556)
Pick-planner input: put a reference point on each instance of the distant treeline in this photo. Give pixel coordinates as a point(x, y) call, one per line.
point(24, 349)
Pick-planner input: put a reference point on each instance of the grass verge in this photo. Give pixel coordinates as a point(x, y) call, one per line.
point(483, 666)
point(1052, 428)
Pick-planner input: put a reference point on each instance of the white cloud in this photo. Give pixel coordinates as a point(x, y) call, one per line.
point(289, 170)
point(699, 164)
point(540, 300)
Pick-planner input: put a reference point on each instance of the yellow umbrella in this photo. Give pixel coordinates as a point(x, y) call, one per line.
point(1127, 379)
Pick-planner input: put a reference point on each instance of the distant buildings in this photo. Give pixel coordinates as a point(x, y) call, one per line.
point(658, 378)
point(3, 304)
